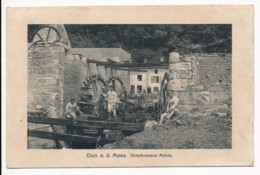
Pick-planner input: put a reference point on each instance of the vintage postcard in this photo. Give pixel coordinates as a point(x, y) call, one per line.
point(130, 86)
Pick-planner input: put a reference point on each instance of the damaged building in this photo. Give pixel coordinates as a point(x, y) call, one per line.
point(56, 72)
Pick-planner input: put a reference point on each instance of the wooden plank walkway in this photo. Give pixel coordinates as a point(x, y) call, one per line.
point(122, 126)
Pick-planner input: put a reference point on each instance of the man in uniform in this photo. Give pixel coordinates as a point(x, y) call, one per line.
point(171, 106)
point(71, 113)
point(111, 100)
point(71, 109)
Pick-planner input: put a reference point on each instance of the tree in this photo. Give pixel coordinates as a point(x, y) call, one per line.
point(151, 42)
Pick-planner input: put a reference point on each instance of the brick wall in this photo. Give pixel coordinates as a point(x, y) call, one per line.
point(215, 72)
point(214, 82)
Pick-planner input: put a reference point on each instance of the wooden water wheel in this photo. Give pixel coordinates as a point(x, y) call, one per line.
point(47, 34)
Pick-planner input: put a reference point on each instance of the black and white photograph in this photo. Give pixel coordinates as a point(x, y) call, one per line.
point(129, 86)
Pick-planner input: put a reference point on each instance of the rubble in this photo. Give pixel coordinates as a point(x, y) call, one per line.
point(149, 125)
point(39, 107)
point(187, 131)
point(112, 135)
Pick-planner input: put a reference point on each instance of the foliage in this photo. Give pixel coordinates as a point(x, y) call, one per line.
point(152, 42)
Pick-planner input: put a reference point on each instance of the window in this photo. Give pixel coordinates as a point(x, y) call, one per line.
point(155, 79)
point(132, 90)
point(139, 77)
point(156, 71)
point(139, 88)
point(149, 90)
point(155, 89)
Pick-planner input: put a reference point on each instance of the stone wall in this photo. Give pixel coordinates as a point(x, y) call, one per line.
point(215, 72)
point(214, 80)
point(181, 75)
point(45, 83)
point(45, 76)
point(54, 76)
point(215, 69)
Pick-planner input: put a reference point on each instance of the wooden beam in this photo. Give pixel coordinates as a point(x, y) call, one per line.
point(94, 118)
point(129, 69)
point(37, 114)
point(89, 70)
point(137, 65)
point(63, 137)
point(108, 72)
point(135, 127)
point(111, 125)
point(50, 121)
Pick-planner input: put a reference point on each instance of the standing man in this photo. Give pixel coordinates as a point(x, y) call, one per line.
point(71, 113)
point(171, 106)
point(111, 100)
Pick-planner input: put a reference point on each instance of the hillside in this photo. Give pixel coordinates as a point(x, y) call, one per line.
point(150, 42)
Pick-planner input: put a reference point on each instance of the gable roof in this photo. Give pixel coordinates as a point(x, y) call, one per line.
point(103, 54)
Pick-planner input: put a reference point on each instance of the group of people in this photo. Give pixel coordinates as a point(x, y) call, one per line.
point(72, 110)
point(111, 97)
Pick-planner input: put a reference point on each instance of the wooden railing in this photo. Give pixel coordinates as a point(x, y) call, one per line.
point(122, 126)
point(82, 124)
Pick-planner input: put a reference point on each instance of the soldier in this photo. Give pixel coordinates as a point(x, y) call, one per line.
point(71, 109)
point(171, 107)
point(71, 113)
point(111, 100)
